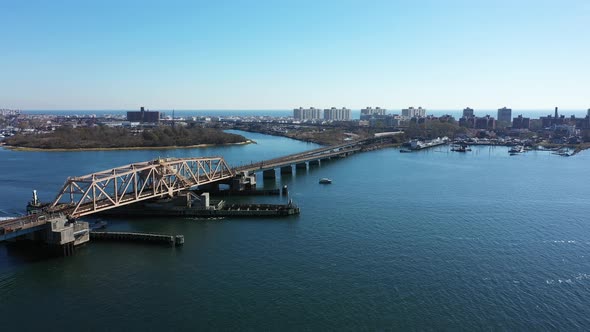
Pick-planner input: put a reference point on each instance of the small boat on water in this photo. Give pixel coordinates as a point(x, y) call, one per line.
point(516, 150)
point(325, 181)
point(460, 148)
point(405, 151)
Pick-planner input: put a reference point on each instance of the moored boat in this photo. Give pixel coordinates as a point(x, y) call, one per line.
point(516, 149)
point(460, 148)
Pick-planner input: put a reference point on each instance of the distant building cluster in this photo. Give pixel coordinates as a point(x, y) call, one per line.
point(561, 123)
point(6, 112)
point(469, 120)
point(330, 114)
point(143, 116)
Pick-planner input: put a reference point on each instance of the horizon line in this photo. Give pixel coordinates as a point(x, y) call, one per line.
point(282, 109)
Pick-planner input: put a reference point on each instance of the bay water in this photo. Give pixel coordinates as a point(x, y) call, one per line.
point(427, 240)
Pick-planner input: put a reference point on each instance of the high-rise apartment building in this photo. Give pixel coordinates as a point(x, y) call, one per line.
point(504, 115)
point(521, 123)
point(311, 113)
point(468, 112)
point(337, 114)
point(414, 112)
point(369, 112)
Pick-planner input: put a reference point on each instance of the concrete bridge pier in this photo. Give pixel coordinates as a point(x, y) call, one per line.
point(243, 181)
point(251, 181)
point(60, 235)
point(287, 170)
point(269, 174)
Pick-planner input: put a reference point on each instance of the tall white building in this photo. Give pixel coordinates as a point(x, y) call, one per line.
point(337, 114)
point(311, 113)
point(414, 112)
point(369, 113)
point(373, 111)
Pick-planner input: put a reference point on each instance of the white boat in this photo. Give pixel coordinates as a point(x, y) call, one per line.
point(325, 181)
point(516, 149)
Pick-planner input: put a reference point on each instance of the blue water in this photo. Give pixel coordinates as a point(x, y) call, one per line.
point(427, 240)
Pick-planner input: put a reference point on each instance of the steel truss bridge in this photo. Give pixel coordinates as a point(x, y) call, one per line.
point(96, 192)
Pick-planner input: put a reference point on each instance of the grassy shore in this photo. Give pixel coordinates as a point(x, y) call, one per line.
point(18, 148)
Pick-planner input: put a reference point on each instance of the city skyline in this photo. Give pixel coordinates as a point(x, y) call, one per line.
point(62, 55)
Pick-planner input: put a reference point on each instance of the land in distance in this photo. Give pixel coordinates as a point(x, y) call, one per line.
point(103, 137)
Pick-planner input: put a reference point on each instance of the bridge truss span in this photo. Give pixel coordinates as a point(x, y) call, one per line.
point(132, 183)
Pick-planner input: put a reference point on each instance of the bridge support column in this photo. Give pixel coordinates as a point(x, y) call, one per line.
point(62, 236)
point(251, 181)
point(243, 181)
point(269, 174)
point(301, 166)
point(287, 170)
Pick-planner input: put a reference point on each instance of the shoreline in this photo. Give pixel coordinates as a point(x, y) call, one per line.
point(170, 147)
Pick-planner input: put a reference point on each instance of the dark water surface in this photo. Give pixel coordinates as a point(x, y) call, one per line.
point(427, 240)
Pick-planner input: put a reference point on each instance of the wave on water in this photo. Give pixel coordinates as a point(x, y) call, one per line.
point(573, 279)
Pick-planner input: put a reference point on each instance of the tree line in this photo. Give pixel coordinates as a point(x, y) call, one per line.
point(117, 137)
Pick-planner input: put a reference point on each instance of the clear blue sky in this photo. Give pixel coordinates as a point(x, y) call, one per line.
point(444, 54)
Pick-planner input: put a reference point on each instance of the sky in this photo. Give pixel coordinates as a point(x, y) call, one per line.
point(259, 55)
